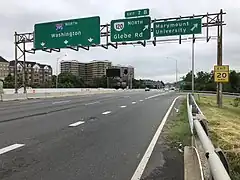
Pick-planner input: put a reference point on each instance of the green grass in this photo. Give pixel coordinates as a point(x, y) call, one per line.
point(224, 126)
point(179, 130)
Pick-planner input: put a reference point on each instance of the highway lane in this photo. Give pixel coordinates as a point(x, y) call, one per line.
point(15, 110)
point(54, 117)
point(108, 144)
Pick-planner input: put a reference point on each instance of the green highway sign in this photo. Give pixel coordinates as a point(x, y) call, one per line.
point(73, 32)
point(139, 12)
point(134, 29)
point(178, 27)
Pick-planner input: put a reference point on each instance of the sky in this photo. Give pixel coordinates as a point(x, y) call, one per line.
point(157, 63)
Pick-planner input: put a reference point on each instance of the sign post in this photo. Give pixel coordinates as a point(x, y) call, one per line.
point(178, 27)
point(134, 29)
point(62, 34)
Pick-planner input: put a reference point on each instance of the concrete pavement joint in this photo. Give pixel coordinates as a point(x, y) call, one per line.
point(10, 148)
point(141, 167)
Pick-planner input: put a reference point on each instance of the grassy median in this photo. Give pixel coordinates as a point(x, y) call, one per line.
point(224, 126)
point(179, 130)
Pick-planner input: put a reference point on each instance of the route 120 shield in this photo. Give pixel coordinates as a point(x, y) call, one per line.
point(119, 26)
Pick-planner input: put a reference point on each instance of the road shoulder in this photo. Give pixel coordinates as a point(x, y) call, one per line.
point(166, 161)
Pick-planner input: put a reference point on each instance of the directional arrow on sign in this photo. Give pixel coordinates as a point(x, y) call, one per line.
point(194, 26)
point(145, 27)
point(66, 41)
point(90, 39)
point(42, 44)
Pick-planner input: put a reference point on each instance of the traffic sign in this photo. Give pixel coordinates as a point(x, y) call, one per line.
point(178, 27)
point(139, 12)
point(73, 32)
point(133, 29)
point(221, 73)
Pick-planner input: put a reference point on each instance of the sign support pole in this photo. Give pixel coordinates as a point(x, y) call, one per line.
point(24, 68)
point(193, 41)
point(107, 82)
point(219, 59)
point(15, 65)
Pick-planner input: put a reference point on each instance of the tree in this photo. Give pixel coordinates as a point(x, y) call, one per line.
point(234, 81)
point(9, 81)
point(68, 80)
point(204, 81)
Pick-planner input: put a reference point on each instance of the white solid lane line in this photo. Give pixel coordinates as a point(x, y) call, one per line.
point(91, 103)
point(123, 106)
point(76, 124)
point(106, 112)
point(60, 102)
point(156, 95)
point(10, 148)
point(133, 102)
point(140, 169)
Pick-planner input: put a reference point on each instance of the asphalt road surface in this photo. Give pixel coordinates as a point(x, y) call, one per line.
point(93, 137)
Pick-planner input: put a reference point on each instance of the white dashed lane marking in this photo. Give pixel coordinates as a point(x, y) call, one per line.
point(10, 148)
point(123, 106)
point(133, 102)
point(60, 102)
point(106, 112)
point(76, 124)
point(91, 103)
point(141, 100)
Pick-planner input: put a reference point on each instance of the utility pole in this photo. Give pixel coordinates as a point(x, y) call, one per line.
point(219, 58)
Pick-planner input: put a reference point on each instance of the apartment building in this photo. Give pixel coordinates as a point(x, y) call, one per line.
point(96, 69)
point(36, 74)
point(87, 71)
point(70, 66)
point(3, 68)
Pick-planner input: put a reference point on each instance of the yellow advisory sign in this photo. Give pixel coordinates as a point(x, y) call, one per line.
point(221, 73)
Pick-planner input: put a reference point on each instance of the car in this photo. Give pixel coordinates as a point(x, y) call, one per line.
point(147, 89)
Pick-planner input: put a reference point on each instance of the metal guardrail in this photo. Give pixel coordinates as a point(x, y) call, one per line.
point(217, 163)
point(212, 92)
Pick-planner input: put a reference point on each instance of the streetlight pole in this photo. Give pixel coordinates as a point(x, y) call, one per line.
point(57, 69)
point(176, 73)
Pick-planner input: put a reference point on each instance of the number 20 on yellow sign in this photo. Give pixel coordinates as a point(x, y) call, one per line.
point(221, 73)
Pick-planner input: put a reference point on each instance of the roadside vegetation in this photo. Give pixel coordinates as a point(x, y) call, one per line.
point(224, 126)
point(179, 130)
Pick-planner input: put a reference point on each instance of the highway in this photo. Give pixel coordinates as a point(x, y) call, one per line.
point(92, 137)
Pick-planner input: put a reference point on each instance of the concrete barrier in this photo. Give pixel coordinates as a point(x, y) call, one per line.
point(12, 97)
point(53, 92)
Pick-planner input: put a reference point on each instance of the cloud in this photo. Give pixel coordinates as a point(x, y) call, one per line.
point(149, 62)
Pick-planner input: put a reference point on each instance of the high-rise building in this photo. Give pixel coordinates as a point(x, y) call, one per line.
point(96, 69)
point(86, 71)
point(70, 66)
point(36, 74)
point(3, 68)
